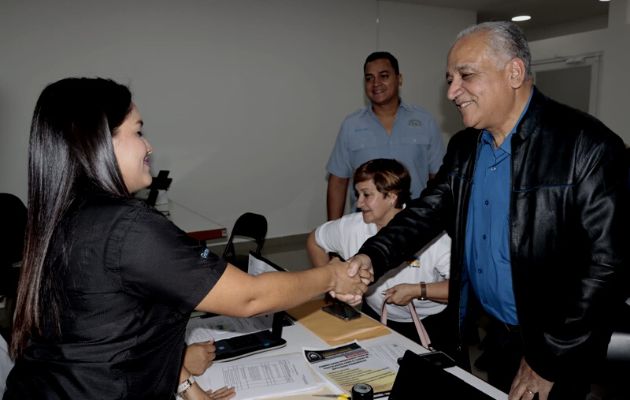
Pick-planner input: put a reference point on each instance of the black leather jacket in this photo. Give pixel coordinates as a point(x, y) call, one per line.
point(567, 226)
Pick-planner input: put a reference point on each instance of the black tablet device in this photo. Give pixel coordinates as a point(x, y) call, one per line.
point(255, 342)
point(245, 345)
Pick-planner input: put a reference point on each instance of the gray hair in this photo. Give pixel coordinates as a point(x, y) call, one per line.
point(506, 38)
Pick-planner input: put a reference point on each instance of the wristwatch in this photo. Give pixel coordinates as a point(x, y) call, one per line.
point(423, 291)
point(184, 386)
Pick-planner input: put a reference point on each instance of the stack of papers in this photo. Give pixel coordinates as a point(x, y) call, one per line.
point(257, 378)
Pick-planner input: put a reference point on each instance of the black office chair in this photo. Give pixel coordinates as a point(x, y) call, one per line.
point(11, 241)
point(253, 226)
point(613, 381)
point(11, 251)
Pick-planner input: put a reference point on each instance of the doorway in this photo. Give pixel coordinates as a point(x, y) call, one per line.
point(570, 80)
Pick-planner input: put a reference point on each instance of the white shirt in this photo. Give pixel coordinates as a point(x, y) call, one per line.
point(346, 235)
point(5, 363)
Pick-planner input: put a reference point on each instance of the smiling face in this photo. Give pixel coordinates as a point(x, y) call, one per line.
point(480, 85)
point(376, 207)
point(381, 82)
point(132, 152)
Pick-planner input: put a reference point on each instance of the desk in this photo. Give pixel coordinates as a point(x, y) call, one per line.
point(196, 225)
point(298, 337)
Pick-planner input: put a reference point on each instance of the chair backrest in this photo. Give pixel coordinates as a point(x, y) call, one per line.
point(250, 225)
point(612, 382)
point(11, 242)
point(619, 345)
point(13, 228)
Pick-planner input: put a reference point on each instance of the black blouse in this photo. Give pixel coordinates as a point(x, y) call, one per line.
point(132, 280)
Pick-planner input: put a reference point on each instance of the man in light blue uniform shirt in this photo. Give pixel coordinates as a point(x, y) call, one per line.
point(388, 128)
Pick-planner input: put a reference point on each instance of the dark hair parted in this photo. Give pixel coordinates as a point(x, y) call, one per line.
point(70, 152)
point(388, 175)
point(382, 55)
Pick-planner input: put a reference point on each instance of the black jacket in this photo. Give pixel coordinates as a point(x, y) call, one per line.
point(567, 226)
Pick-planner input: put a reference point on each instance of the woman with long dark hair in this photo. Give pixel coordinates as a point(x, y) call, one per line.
point(107, 282)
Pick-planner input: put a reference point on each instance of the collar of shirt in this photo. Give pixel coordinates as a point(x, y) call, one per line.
point(487, 138)
point(402, 106)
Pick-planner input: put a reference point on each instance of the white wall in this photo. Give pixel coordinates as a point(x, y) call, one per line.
point(421, 37)
point(242, 99)
point(614, 44)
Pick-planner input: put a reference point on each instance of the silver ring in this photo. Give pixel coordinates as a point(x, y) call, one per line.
point(530, 392)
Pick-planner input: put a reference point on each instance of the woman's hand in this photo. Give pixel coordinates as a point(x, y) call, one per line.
point(402, 294)
point(220, 394)
point(199, 357)
point(197, 393)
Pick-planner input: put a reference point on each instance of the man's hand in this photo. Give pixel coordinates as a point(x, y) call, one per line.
point(527, 383)
point(348, 288)
point(361, 265)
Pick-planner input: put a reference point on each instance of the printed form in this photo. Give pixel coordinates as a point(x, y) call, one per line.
point(262, 377)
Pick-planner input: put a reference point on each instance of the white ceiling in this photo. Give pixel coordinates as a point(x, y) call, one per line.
point(549, 17)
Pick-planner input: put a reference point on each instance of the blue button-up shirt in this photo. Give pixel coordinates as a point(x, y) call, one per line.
point(488, 228)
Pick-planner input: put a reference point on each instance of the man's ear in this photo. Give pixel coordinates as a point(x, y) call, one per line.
point(400, 80)
point(517, 73)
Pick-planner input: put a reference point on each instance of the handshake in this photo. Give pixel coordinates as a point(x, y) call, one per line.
point(351, 278)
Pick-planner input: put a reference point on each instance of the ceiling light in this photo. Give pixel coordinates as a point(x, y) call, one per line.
point(520, 18)
point(604, 1)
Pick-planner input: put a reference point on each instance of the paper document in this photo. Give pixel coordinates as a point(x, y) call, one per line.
point(347, 365)
point(221, 327)
point(262, 377)
point(388, 350)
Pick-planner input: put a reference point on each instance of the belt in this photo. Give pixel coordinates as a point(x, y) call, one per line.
point(500, 325)
point(511, 328)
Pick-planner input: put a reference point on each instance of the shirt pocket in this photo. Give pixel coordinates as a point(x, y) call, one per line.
point(363, 143)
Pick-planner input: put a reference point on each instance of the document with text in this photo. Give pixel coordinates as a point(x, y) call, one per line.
point(262, 377)
point(349, 364)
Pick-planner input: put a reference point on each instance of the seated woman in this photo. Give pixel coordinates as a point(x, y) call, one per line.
point(108, 283)
point(382, 188)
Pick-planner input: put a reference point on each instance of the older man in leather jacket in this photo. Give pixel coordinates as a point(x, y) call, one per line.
point(533, 196)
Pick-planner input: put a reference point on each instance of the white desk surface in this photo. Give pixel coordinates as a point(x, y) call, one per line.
point(190, 221)
point(298, 337)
